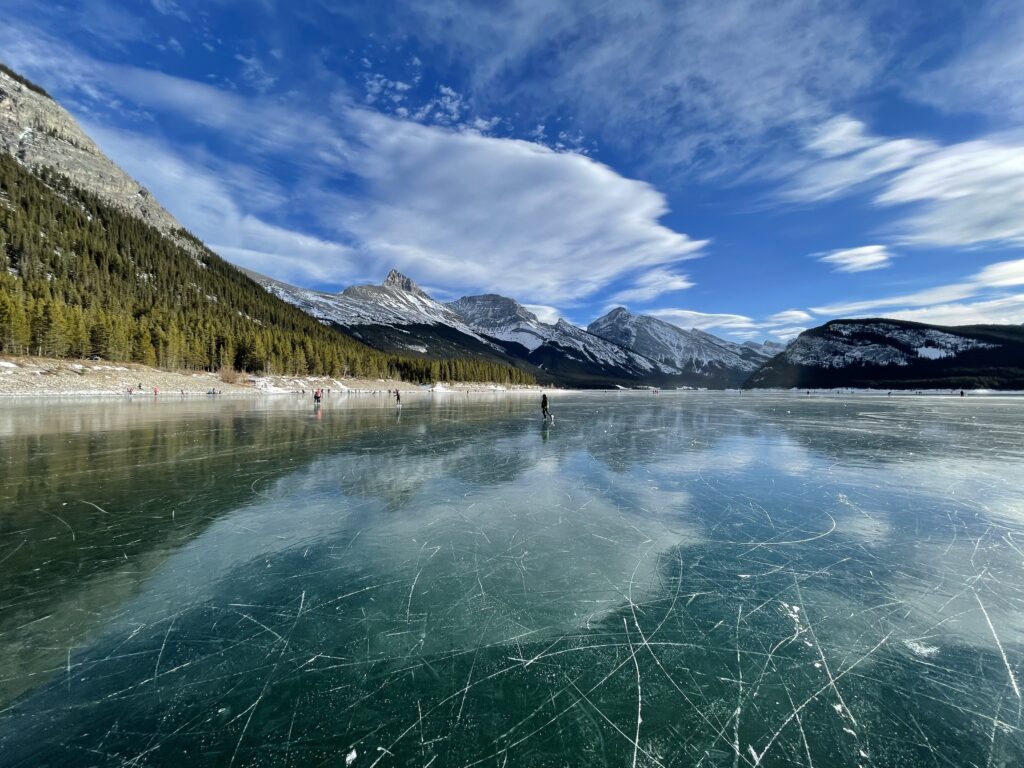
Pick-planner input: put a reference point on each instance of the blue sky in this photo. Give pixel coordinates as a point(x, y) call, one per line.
point(749, 167)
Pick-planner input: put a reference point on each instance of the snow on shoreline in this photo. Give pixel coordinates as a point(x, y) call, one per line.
point(27, 377)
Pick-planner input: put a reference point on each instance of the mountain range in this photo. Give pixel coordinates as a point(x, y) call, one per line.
point(618, 349)
point(179, 303)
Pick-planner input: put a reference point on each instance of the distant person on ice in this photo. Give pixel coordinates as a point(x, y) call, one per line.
point(544, 407)
point(398, 398)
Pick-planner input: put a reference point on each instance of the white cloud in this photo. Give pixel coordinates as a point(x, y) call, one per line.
point(652, 284)
point(840, 136)
point(963, 194)
point(789, 332)
point(834, 176)
point(255, 73)
point(481, 213)
point(1006, 310)
point(544, 313)
point(923, 298)
point(789, 316)
point(943, 298)
point(862, 259)
point(969, 193)
point(686, 318)
point(169, 8)
point(1002, 274)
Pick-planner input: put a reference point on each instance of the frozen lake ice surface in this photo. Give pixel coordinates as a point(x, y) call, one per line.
point(690, 579)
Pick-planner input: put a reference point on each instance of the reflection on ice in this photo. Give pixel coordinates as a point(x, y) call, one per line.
point(704, 579)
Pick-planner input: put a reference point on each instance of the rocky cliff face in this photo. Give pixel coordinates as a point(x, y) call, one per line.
point(40, 133)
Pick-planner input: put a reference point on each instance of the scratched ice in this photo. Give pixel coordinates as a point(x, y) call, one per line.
point(678, 580)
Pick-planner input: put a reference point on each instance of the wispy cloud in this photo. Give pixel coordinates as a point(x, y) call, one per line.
point(962, 194)
point(169, 8)
point(789, 317)
point(862, 259)
point(544, 313)
point(1006, 310)
point(943, 293)
point(969, 193)
point(999, 275)
point(652, 284)
point(254, 72)
point(701, 83)
point(984, 72)
point(687, 318)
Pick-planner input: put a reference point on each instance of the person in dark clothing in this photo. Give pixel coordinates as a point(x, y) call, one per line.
point(398, 398)
point(544, 407)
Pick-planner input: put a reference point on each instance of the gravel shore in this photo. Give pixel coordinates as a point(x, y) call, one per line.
point(38, 377)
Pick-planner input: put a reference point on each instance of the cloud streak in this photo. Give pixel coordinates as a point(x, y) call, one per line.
point(862, 259)
point(688, 318)
point(964, 194)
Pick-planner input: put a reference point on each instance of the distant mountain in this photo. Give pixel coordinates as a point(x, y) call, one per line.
point(698, 356)
point(895, 354)
point(396, 316)
point(568, 353)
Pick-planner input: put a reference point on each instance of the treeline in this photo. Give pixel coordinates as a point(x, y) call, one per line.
point(23, 80)
point(79, 277)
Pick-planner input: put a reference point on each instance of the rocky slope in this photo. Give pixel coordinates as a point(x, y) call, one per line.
point(39, 132)
point(895, 354)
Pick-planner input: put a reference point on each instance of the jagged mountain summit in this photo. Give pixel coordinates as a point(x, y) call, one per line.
point(896, 354)
point(695, 353)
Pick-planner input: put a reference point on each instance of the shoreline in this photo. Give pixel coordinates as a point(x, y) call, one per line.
point(28, 377)
point(23, 378)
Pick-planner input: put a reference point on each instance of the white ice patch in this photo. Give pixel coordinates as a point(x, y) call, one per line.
point(921, 649)
point(7, 364)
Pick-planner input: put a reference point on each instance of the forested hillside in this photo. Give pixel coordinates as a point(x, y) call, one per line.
point(79, 277)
